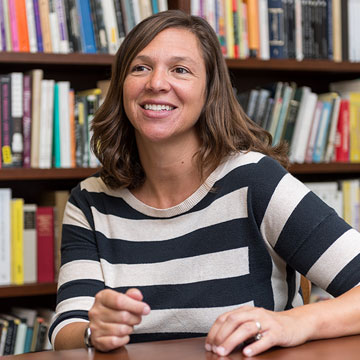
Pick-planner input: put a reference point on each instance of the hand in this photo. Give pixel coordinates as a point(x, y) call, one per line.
point(242, 325)
point(113, 317)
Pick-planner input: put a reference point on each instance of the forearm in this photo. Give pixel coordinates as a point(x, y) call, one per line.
point(331, 318)
point(71, 336)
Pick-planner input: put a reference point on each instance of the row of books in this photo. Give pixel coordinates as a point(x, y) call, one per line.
point(281, 29)
point(24, 330)
point(64, 26)
point(30, 237)
point(343, 196)
point(318, 127)
point(44, 123)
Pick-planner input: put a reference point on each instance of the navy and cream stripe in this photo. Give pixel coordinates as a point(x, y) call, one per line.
point(242, 238)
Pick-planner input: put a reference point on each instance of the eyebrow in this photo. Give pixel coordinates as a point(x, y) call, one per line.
point(173, 58)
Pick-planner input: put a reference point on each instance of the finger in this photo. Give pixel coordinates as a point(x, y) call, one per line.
point(107, 343)
point(246, 331)
point(135, 294)
point(118, 301)
point(266, 342)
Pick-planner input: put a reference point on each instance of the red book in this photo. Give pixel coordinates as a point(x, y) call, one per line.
point(342, 140)
point(45, 243)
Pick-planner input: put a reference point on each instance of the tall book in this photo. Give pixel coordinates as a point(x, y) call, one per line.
point(22, 27)
point(253, 25)
point(44, 11)
point(45, 243)
point(17, 241)
point(6, 124)
point(13, 26)
point(111, 24)
point(342, 138)
point(63, 30)
point(86, 26)
point(354, 102)
point(97, 16)
point(26, 121)
point(17, 112)
point(30, 244)
point(39, 37)
point(5, 236)
point(276, 29)
point(73, 26)
point(30, 16)
point(6, 27)
point(264, 30)
point(54, 28)
point(229, 21)
point(36, 77)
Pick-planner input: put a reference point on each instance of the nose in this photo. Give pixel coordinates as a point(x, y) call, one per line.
point(158, 81)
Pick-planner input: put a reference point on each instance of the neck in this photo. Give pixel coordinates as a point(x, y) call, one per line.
point(171, 172)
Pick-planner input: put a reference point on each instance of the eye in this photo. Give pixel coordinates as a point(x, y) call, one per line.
point(138, 68)
point(181, 70)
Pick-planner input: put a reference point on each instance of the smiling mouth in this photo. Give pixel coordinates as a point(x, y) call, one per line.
point(155, 107)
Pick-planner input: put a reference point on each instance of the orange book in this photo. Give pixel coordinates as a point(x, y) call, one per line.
point(253, 27)
point(22, 26)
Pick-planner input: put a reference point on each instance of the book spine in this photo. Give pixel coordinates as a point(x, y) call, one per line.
point(97, 14)
point(9, 46)
point(63, 31)
point(54, 28)
point(39, 39)
point(13, 26)
point(30, 16)
point(73, 25)
point(44, 12)
point(87, 30)
point(6, 120)
point(30, 247)
point(17, 112)
point(236, 30)
point(342, 139)
point(253, 25)
point(5, 233)
point(119, 19)
point(155, 7)
point(17, 226)
point(45, 243)
point(56, 131)
point(276, 29)
point(22, 26)
point(2, 27)
point(27, 121)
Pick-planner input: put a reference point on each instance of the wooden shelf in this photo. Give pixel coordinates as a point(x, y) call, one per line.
point(28, 290)
point(45, 174)
point(73, 59)
point(294, 65)
point(325, 168)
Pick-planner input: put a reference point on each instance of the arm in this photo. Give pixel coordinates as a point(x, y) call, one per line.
point(111, 319)
point(328, 319)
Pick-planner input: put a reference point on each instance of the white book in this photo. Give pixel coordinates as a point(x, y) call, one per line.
point(264, 30)
point(54, 32)
point(20, 338)
point(30, 244)
point(210, 11)
point(353, 18)
point(112, 31)
point(163, 5)
point(299, 51)
point(43, 163)
point(62, 26)
point(195, 7)
point(30, 17)
point(303, 126)
point(145, 8)
point(5, 236)
point(64, 117)
point(136, 11)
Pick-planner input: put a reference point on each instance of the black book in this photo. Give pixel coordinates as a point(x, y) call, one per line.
point(345, 30)
point(73, 24)
point(97, 16)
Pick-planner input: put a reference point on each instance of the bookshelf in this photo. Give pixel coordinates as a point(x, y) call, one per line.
point(84, 70)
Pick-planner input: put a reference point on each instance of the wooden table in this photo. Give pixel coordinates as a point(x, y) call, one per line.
point(346, 348)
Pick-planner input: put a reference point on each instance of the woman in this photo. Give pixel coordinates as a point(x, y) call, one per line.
point(193, 227)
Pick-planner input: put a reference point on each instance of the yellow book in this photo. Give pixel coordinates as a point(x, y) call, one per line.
point(354, 101)
point(17, 241)
point(229, 21)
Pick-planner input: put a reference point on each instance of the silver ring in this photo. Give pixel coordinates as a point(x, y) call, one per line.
point(258, 336)
point(258, 325)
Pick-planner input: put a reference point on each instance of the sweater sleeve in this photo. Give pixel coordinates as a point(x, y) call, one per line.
point(80, 275)
point(305, 232)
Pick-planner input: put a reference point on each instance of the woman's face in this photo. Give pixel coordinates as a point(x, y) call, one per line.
point(164, 91)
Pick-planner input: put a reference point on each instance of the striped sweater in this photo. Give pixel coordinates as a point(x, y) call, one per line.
point(243, 237)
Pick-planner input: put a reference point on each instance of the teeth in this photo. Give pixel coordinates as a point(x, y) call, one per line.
point(155, 107)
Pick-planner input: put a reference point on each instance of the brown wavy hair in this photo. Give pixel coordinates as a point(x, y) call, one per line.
point(223, 126)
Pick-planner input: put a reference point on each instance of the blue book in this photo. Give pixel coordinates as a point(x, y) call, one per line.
point(40, 47)
point(155, 7)
point(323, 129)
point(276, 29)
point(28, 339)
point(86, 26)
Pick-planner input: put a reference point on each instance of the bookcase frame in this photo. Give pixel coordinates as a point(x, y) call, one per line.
point(83, 70)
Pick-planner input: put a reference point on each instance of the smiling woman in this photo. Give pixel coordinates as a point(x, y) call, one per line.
point(193, 226)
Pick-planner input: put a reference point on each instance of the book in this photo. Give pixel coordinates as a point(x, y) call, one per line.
point(30, 244)
point(30, 17)
point(313, 132)
point(56, 152)
point(20, 337)
point(17, 241)
point(230, 39)
point(17, 112)
point(163, 5)
point(342, 138)
point(4, 324)
point(6, 30)
point(299, 51)
point(44, 11)
point(128, 15)
point(45, 243)
point(97, 16)
point(36, 77)
point(39, 38)
point(111, 25)
point(253, 26)
point(54, 28)
point(26, 121)
point(354, 104)
point(73, 26)
point(337, 30)
point(5, 236)
point(12, 326)
point(87, 35)
point(276, 29)
point(6, 124)
point(264, 43)
point(13, 26)
point(119, 20)
point(62, 24)
point(22, 26)
point(146, 8)
point(344, 30)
